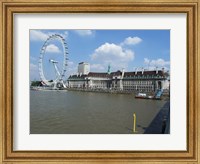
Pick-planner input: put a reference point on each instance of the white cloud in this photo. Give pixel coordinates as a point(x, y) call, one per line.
point(146, 61)
point(33, 67)
point(52, 48)
point(111, 51)
point(131, 41)
point(84, 32)
point(152, 64)
point(34, 74)
point(32, 58)
point(64, 34)
point(71, 68)
point(159, 62)
point(37, 35)
point(97, 67)
point(70, 63)
point(115, 55)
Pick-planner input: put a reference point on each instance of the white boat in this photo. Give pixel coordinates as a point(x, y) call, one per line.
point(141, 95)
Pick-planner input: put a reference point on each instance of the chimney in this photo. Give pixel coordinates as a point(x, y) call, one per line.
point(156, 70)
point(122, 72)
point(136, 71)
point(163, 70)
point(142, 70)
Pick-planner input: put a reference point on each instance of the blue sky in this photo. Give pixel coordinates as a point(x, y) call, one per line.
point(128, 49)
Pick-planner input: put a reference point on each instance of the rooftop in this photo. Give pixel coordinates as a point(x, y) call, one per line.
point(83, 63)
point(119, 73)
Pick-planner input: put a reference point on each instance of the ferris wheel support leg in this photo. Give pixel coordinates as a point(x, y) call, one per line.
point(64, 85)
point(55, 85)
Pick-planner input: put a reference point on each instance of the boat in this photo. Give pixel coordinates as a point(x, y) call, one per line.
point(150, 97)
point(144, 96)
point(141, 95)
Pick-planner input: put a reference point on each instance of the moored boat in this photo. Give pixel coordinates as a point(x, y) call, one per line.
point(141, 95)
point(144, 96)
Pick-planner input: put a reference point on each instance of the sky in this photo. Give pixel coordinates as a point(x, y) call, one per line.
point(121, 49)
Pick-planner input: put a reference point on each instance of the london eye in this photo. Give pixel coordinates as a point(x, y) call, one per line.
point(58, 81)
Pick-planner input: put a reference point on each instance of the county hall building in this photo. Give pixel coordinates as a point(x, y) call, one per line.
point(136, 81)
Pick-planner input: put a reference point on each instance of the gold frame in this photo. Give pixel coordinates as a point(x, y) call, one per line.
point(9, 7)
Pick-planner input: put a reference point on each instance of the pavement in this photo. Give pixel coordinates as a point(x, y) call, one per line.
point(161, 123)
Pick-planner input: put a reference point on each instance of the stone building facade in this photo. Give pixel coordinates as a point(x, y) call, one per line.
point(137, 81)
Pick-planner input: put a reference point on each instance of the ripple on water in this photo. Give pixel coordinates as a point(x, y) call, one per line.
point(72, 112)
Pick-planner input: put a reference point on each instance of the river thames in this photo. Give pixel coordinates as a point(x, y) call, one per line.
point(75, 112)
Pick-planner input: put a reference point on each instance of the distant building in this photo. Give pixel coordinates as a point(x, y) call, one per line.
point(83, 68)
point(137, 81)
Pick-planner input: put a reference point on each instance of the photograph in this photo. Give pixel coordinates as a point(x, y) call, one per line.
point(99, 81)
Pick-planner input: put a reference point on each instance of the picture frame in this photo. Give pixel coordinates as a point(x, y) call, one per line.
point(10, 7)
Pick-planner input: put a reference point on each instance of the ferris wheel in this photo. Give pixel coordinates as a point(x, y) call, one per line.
point(58, 81)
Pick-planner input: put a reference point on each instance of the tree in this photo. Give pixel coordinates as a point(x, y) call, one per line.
point(36, 83)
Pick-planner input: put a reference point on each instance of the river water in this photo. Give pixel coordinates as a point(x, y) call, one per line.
point(74, 112)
